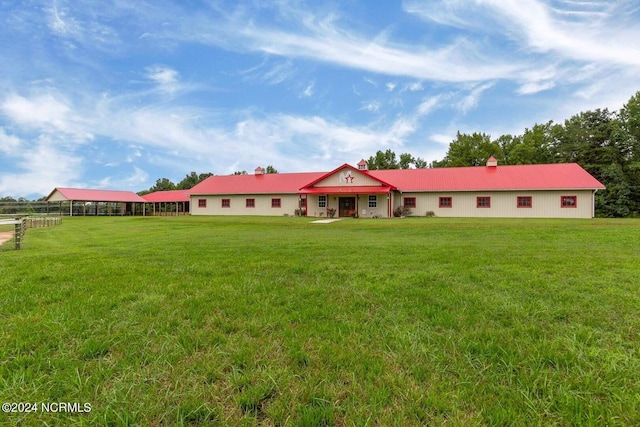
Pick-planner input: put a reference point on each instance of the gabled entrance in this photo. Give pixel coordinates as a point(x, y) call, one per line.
point(346, 206)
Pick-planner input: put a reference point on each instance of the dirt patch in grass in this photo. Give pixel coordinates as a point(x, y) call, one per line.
point(5, 236)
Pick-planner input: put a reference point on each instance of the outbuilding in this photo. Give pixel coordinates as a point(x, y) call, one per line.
point(97, 202)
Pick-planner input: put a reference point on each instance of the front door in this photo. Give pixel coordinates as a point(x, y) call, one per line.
point(346, 206)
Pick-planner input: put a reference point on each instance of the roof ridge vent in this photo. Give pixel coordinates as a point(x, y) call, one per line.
point(492, 162)
point(259, 171)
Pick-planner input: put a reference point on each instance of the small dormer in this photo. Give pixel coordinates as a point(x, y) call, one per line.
point(492, 162)
point(258, 171)
point(363, 165)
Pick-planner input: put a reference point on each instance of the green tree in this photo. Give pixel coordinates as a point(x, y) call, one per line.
point(191, 180)
point(383, 160)
point(470, 150)
point(162, 184)
point(535, 146)
point(271, 169)
point(388, 160)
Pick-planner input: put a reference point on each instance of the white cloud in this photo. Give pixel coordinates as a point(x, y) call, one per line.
point(47, 113)
point(308, 92)
point(442, 139)
point(428, 105)
point(9, 144)
point(415, 86)
point(391, 86)
point(129, 180)
point(471, 100)
point(165, 77)
point(39, 169)
point(372, 107)
point(535, 87)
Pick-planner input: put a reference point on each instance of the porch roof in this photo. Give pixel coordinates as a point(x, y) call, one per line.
point(347, 189)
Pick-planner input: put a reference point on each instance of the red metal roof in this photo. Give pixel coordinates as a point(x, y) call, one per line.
point(351, 189)
point(167, 196)
point(565, 176)
point(569, 176)
point(88, 195)
point(268, 183)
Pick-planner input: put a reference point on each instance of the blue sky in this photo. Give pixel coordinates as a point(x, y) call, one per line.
point(115, 94)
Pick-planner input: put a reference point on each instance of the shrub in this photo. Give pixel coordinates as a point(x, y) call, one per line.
point(430, 214)
point(402, 211)
point(331, 212)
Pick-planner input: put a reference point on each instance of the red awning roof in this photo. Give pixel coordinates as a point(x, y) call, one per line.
point(167, 196)
point(351, 189)
point(88, 195)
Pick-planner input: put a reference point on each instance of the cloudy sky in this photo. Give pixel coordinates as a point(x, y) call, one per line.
point(115, 94)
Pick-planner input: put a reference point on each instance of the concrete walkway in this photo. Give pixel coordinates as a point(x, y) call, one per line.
point(326, 221)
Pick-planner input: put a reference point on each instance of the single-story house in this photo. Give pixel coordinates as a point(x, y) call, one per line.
point(544, 191)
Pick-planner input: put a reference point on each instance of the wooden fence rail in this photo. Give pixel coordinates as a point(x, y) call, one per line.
point(22, 224)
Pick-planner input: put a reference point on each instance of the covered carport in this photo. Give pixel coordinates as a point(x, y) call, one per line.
point(168, 203)
point(97, 202)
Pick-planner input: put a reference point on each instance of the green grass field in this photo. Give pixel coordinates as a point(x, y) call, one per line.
point(276, 321)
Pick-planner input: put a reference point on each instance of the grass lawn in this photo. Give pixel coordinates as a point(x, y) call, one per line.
point(276, 321)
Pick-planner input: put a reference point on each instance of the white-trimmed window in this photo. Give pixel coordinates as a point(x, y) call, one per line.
point(373, 201)
point(483, 202)
point(569, 201)
point(525, 201)
point(322, 201)
point(445, 202)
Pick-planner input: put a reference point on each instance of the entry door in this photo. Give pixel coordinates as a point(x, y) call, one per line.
point(346, 206)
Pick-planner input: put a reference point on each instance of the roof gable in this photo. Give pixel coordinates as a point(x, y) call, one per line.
point(346, 176)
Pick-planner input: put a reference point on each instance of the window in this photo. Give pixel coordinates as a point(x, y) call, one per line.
point(483, 202)
point(226, 203)
point(275, 203)
point(251, 203)
point(524, 202)
point(373, 201)
point(322, 201)
point(202, 203)
point(445, 202)
point(569, 201)
point(409, 202)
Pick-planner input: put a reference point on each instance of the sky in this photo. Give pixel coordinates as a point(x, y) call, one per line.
point(115, 94)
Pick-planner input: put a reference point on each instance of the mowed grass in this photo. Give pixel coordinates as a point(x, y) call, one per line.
point(277, 321)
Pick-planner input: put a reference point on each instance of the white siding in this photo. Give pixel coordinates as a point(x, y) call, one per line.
point(238, 205)
point(545, 204)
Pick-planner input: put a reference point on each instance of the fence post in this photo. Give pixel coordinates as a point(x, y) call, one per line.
point(17, 234)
